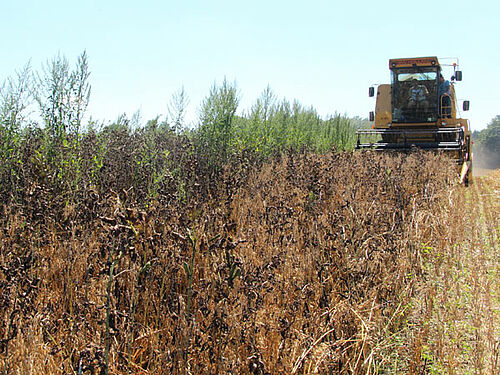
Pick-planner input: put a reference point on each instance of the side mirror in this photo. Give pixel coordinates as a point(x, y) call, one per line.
point(371, 91)
point(458, 75)
point(372, 116)
point(466, 105)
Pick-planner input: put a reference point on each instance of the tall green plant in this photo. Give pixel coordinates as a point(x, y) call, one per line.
point(15, 96)
point(339, 132)
point(177, 109)
point(15, 99)
point(216, 122)
point(63, 95)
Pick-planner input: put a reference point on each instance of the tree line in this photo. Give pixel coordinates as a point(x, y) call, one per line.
point(60, 95)
point(487, 144)
point(45, 137)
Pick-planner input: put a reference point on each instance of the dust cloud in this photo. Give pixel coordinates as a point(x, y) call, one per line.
point(484, 161)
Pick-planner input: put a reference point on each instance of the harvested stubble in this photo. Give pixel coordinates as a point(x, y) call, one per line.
point(306, 264)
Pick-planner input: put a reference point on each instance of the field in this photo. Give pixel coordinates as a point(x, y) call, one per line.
point(255, 244)
point(300, 263)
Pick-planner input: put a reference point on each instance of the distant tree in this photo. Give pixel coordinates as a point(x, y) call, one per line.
point(489, 143)
point(490, 137)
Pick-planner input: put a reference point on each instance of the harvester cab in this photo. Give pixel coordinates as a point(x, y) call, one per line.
point(418, 109)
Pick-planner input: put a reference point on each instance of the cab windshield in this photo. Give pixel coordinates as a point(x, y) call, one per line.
point(420, 76)
point(414, 94)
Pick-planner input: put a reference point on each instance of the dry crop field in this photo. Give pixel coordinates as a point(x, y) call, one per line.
point(343, 263)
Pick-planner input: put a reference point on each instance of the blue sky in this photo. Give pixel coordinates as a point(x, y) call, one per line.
point(322, 53)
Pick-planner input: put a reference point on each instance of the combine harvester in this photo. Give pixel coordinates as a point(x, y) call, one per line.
point(419, 110)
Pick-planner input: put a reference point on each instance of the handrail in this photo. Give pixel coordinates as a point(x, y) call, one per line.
point(445, 110)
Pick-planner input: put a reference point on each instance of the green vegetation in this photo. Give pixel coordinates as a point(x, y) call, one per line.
point(274, 125)
point(48, 109)
point(487, 144)
point(43, 136)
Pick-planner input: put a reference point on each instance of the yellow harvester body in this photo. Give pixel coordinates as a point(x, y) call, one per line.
point(418, 109)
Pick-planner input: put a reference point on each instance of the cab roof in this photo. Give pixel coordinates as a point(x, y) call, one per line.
point(413, 61)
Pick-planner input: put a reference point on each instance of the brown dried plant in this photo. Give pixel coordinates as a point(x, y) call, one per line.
point(302, 264)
